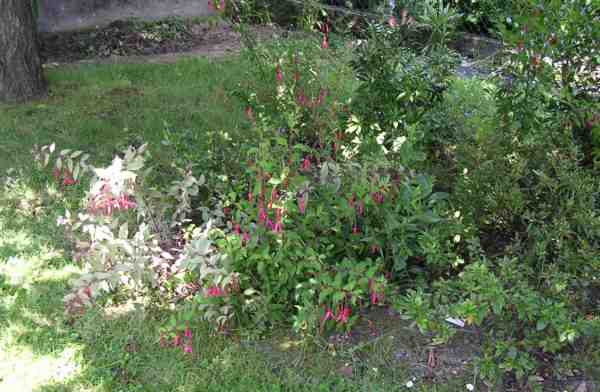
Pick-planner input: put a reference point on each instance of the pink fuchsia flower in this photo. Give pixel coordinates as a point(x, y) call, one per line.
point(278, 73)
point(124, 203)
point(377, 294)
point(187, 333)
point(220, 5)
point(177, 340)
point(236, 228)
point(273, 197)
point(343, 314)
point(277, 227)
point(354, 229)
point(301, 98)
point(188, 348)
point(302, 204)
point(245, 237)
point(360, 207)
point(270, 225)
point(327, 316)
point(305, 167)
point(262, 215)
point(214, 291)
point(325, 42)
point(392, 21)
point(68, 179)
point(378, 197)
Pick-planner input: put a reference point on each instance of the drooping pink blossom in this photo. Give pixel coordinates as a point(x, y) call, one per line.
point(105, 202)
point(354, 229)
point(236, 229)
point(343, 314)
point(273, 197)
point(188, 348)
point(68, 179)
point(277, 227)
point(262, 215)
point(302, 204)
point(245, 237)
point(378, 197)
point(278, 73)
point(325, 42)
point(377, 294)
point(214, 291)
point(187, 333)
point(327, 316)
point(305, 167)
point(177, 340)
point(360, 208)
point(301, 98)
point(270, 225)
point(124, 203)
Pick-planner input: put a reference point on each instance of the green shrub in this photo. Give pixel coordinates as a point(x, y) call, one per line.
point(525, 186)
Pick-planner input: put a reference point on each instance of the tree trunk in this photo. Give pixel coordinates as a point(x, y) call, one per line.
point(21, 76)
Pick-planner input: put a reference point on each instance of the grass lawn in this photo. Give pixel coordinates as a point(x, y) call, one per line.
point(100, 108)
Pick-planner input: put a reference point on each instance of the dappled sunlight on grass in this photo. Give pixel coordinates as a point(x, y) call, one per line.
point(25, 370)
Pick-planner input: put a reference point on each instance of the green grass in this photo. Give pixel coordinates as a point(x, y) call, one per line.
point(100, 108)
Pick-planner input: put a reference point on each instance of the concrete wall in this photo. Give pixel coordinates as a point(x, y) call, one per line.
point(65, 15)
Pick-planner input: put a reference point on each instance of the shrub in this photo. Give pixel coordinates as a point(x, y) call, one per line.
point(530, 193)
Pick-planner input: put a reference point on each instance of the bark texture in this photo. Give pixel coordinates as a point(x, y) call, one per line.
point(21, 75)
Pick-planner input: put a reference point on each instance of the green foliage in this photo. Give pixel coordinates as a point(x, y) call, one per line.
point(484, 15)
point(321, 205)
point(522, 178)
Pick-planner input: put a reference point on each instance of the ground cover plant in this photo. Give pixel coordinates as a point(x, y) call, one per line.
point(351, 182)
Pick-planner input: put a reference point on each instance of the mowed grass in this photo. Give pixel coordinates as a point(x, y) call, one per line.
point(100, 109)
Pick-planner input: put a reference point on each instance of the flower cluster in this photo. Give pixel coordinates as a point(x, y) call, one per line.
point(181, 340)
point(105, 202)
point(216, 5)
point(341, 316)
point(67, 176)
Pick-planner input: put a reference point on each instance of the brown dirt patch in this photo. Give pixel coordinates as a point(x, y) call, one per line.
point(132, 42)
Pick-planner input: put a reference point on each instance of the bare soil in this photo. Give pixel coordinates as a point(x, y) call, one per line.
point(130, 42)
